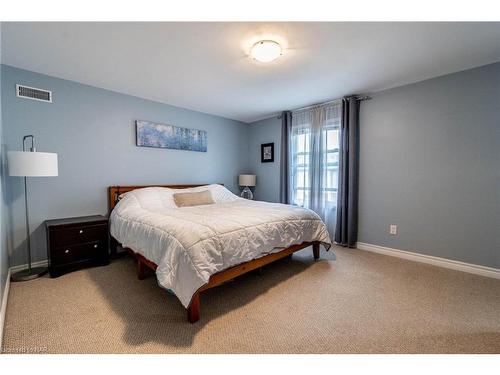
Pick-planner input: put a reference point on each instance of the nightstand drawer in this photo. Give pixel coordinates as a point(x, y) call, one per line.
point(78, 253)
point(61, 237)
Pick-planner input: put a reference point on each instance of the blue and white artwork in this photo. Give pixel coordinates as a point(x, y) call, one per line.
point(150, 134)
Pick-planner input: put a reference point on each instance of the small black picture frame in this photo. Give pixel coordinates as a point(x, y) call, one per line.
point(267, 153)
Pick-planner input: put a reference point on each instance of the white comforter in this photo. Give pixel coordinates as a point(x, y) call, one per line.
point(190, 244)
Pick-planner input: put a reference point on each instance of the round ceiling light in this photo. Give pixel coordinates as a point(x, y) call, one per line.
point(266, 51)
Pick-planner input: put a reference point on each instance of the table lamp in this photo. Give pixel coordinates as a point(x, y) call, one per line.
point(247, 180)
point(29, 163)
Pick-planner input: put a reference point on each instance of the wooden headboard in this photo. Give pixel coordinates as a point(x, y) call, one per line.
point(115, 191)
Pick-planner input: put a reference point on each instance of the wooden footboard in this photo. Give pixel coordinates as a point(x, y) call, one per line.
point(193, 311)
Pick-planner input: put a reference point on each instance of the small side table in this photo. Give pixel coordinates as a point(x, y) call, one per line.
point(77, 242)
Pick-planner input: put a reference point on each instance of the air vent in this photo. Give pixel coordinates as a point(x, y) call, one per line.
point(34, 93)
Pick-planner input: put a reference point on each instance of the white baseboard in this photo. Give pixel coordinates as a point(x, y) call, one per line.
point(435, 261)
point(42, 263)
point(4, 308)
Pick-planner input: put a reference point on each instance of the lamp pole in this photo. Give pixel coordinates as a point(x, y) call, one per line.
point(28, 237)
point(29, 273)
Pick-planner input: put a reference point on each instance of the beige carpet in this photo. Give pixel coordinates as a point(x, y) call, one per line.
point(360, 303)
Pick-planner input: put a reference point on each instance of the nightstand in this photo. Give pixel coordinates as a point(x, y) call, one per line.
point(77, 242)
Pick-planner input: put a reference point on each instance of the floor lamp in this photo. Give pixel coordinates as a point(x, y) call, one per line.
point(29, 163)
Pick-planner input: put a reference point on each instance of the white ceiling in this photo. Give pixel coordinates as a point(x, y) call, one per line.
point(205, 66)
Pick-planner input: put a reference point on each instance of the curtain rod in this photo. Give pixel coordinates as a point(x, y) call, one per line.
point(363, 98)
point(358, 97)
point(317, 105)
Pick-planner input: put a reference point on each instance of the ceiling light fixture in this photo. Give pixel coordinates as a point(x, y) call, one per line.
point(266, 51)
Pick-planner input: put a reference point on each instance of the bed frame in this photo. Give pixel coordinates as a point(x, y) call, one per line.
point(193, 311)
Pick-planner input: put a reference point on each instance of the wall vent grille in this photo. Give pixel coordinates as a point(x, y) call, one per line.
point(34, 93)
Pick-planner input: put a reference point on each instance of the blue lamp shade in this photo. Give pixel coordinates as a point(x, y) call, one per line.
point(32, 164)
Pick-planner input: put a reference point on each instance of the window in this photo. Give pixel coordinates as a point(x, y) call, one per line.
point(300, 174)
point(301, 161)
point(332, 164)
point(314, 158)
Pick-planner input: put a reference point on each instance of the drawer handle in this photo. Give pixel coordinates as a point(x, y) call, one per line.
point(66, 251)
point(81, 231)
point(95, 246)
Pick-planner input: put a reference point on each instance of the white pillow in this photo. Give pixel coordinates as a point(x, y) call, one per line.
point(153, 198)
point(222, 194)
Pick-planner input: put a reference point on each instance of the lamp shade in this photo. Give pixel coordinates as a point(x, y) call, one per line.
point(247, 180)
point(32, 164)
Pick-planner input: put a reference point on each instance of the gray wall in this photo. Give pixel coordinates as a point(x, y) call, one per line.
point(3, 234)
point(430, 158)
point(268, 174)
point(430, 163)
point(93, 132)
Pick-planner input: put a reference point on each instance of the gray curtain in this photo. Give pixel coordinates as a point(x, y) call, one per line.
point(346, 229)
point(286, 123)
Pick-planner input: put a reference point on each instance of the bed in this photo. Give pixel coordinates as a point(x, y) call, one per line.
point(195, 248)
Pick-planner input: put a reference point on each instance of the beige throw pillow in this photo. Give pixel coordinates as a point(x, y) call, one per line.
point(193, 199)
